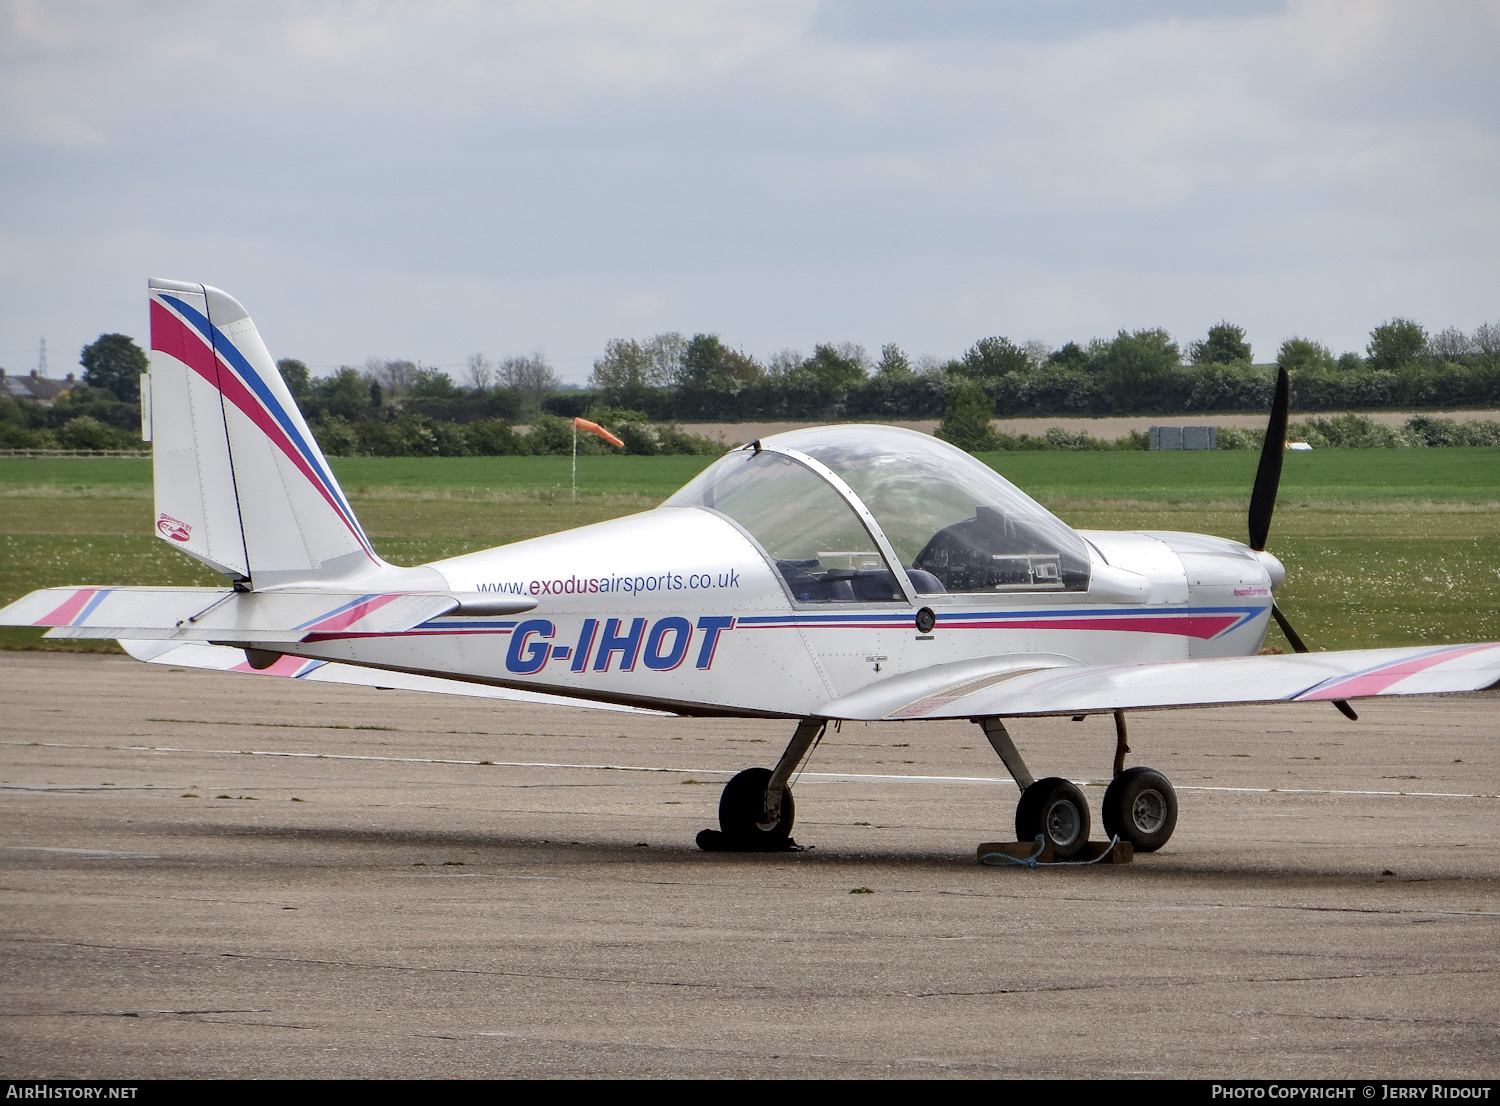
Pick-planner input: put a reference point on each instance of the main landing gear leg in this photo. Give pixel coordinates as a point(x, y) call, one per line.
point(1121, 745)
point(1139, 805)
point(1052, 808)
point(756, 810)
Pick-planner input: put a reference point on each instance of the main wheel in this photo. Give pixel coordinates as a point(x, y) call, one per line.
point(742, 809)
point(1140, 807)
point(1053, 808)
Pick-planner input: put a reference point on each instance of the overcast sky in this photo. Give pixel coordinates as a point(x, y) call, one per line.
point(430, 179)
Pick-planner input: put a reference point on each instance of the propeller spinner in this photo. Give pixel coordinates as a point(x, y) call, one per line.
point(1263, 503)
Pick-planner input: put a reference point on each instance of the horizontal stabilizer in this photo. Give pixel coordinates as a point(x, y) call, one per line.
point(222, 658)
point(223, 614)
point(956, 691)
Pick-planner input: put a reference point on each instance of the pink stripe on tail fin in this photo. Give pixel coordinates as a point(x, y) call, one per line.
point(237, 469)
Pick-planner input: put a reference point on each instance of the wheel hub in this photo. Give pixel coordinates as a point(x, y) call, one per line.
point(1063, 823)
point(1149, 811)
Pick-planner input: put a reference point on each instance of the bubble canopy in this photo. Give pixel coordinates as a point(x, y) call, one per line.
point(953, 523)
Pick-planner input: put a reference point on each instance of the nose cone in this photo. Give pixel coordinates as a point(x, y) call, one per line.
point(1274, 568)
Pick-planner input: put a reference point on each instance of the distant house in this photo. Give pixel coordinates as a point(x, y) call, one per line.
point(43, 389)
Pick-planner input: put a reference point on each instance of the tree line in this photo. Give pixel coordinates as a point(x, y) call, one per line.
point(967, 425)
point(1141, 372)
point(640, 387)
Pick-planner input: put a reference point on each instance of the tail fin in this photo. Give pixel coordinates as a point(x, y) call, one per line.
point(240, 482)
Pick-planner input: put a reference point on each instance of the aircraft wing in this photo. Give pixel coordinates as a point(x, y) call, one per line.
point(221, 658)
point(1038, 684)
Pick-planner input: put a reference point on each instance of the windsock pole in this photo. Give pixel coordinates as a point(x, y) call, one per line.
point(592, 428)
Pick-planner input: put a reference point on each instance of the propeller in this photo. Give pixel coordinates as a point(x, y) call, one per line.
point(1263, 503)
point(1268, 472)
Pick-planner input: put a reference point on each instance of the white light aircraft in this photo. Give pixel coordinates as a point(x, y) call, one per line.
point(846, 572)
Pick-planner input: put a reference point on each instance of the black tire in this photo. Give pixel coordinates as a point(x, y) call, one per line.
point(1055, 809)
point(1141, 807)
point(742, 806)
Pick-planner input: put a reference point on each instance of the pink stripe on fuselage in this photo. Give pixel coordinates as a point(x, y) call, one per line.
point(1199, 626)
point(173, 336)
point(68, 610)
point(311, 639)
point(1373, 683)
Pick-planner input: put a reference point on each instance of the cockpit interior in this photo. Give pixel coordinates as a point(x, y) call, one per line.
point(839, 510)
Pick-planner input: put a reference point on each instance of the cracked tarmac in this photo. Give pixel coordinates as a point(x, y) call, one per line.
point(169, 910)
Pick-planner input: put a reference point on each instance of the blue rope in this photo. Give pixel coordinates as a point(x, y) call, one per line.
point(1003, 860)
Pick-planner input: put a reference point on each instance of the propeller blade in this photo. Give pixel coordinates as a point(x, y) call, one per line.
point(1263, 503)
point(1297, 646)
point(1286, 628)
point(1268, 474)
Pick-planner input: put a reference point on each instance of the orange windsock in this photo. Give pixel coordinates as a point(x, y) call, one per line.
point(595, 428)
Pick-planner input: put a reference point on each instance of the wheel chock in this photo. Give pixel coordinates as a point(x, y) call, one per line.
point(1107, 852)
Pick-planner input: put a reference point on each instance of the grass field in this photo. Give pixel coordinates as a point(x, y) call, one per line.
point(1382, 547)
point(1341, 475)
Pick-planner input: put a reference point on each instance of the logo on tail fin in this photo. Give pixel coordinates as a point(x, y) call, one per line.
point(175, 529)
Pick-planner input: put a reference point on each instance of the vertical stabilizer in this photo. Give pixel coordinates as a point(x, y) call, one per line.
point(197, 509)
point(240, 482)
